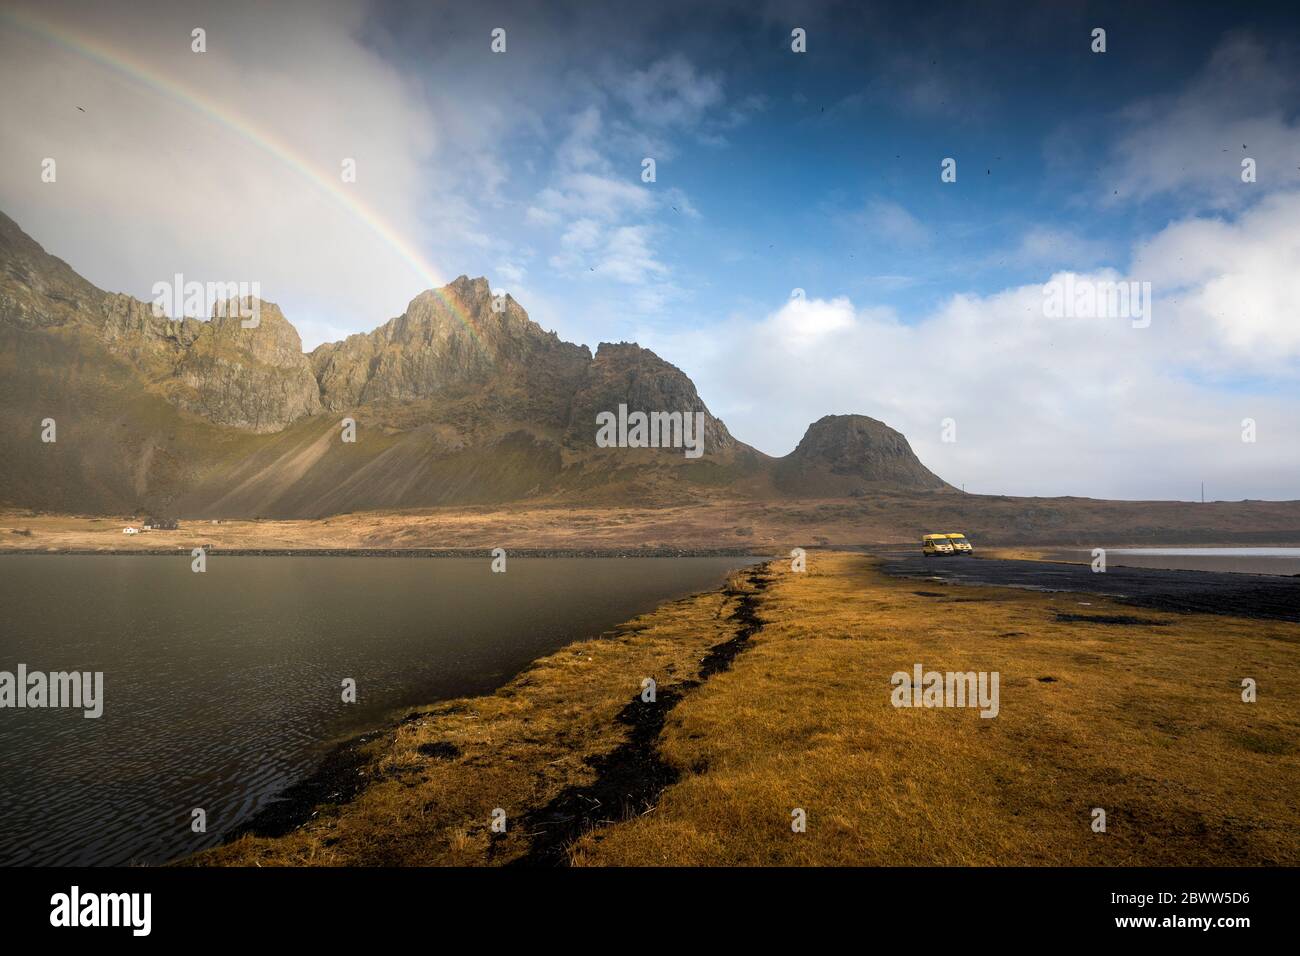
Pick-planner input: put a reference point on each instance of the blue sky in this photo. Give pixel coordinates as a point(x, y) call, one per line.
point(821, 170)
point(775, 171)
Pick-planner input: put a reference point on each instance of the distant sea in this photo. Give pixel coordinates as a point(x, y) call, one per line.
point(1284, 561)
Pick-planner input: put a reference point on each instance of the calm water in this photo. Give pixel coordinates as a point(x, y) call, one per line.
point(1242, 560)
point(222, 688)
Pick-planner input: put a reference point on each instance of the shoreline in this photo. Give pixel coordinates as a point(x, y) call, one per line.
point(477, 553)
point(1048, 554)
point(631, 773)
point(335, 777)
point(776, 678)
point(339, 774)
point(347, 766)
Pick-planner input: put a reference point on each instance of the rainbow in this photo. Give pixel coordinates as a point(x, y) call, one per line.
point(169, 88)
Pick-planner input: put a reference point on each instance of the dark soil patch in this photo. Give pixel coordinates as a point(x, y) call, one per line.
point(632, 776)
point(441, 749)
point(1196, 592)
point(1123, 619)
point(1274, 745)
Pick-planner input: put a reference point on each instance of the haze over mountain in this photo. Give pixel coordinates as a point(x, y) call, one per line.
point(453, 403)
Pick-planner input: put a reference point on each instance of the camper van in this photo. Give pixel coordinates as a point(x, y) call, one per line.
point(935, 544)
point(959, 544)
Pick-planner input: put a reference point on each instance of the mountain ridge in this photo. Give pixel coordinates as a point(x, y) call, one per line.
point(461, 399)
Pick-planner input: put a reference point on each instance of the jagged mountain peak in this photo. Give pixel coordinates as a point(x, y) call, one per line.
point(461, 398)
point(38, 289)
point(446, 338)
point(627, 373)
point(257, 329)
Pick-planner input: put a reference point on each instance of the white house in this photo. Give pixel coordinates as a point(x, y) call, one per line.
point(130, 530)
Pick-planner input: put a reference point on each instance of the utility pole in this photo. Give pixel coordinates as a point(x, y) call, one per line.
point(1202, 492)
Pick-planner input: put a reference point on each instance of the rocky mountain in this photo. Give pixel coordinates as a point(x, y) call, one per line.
point(461, 399)
point(446, 338)
point(850, 454)
point(255, 379)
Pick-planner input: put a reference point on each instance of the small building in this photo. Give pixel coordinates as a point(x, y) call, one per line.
point(130, 530)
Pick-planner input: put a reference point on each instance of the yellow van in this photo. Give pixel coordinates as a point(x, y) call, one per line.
point(959, 543)
point(935, 544)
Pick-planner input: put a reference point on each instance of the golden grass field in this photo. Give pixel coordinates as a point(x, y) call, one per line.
point(1145, 721)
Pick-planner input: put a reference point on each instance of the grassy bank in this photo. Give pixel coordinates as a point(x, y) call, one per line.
point(774, 694)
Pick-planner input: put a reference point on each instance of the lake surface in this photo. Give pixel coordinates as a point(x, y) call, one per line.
point(1241, 560)
point(222, 688)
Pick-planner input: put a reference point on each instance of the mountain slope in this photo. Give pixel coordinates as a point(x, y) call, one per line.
point(453, 403)
point(848, 454)
point(462, 399)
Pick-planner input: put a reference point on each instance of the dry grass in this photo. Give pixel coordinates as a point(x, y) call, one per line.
point(1145, 721)
point(1019, 554)
point(704, 518)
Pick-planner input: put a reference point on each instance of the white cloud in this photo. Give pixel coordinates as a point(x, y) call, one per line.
point(578, 150)
point(1241, 105)
point(539, 216)
point(1232, 286)
point(601, 214)
point(628, 256)
point(669, 92)
point(582, 234)
point(1053, 248)
point(511, 272)
point(1047, 406)
point(591, 194)
point(622, 254)
point(803, 323)
point(887, 221)
point(677, 201)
